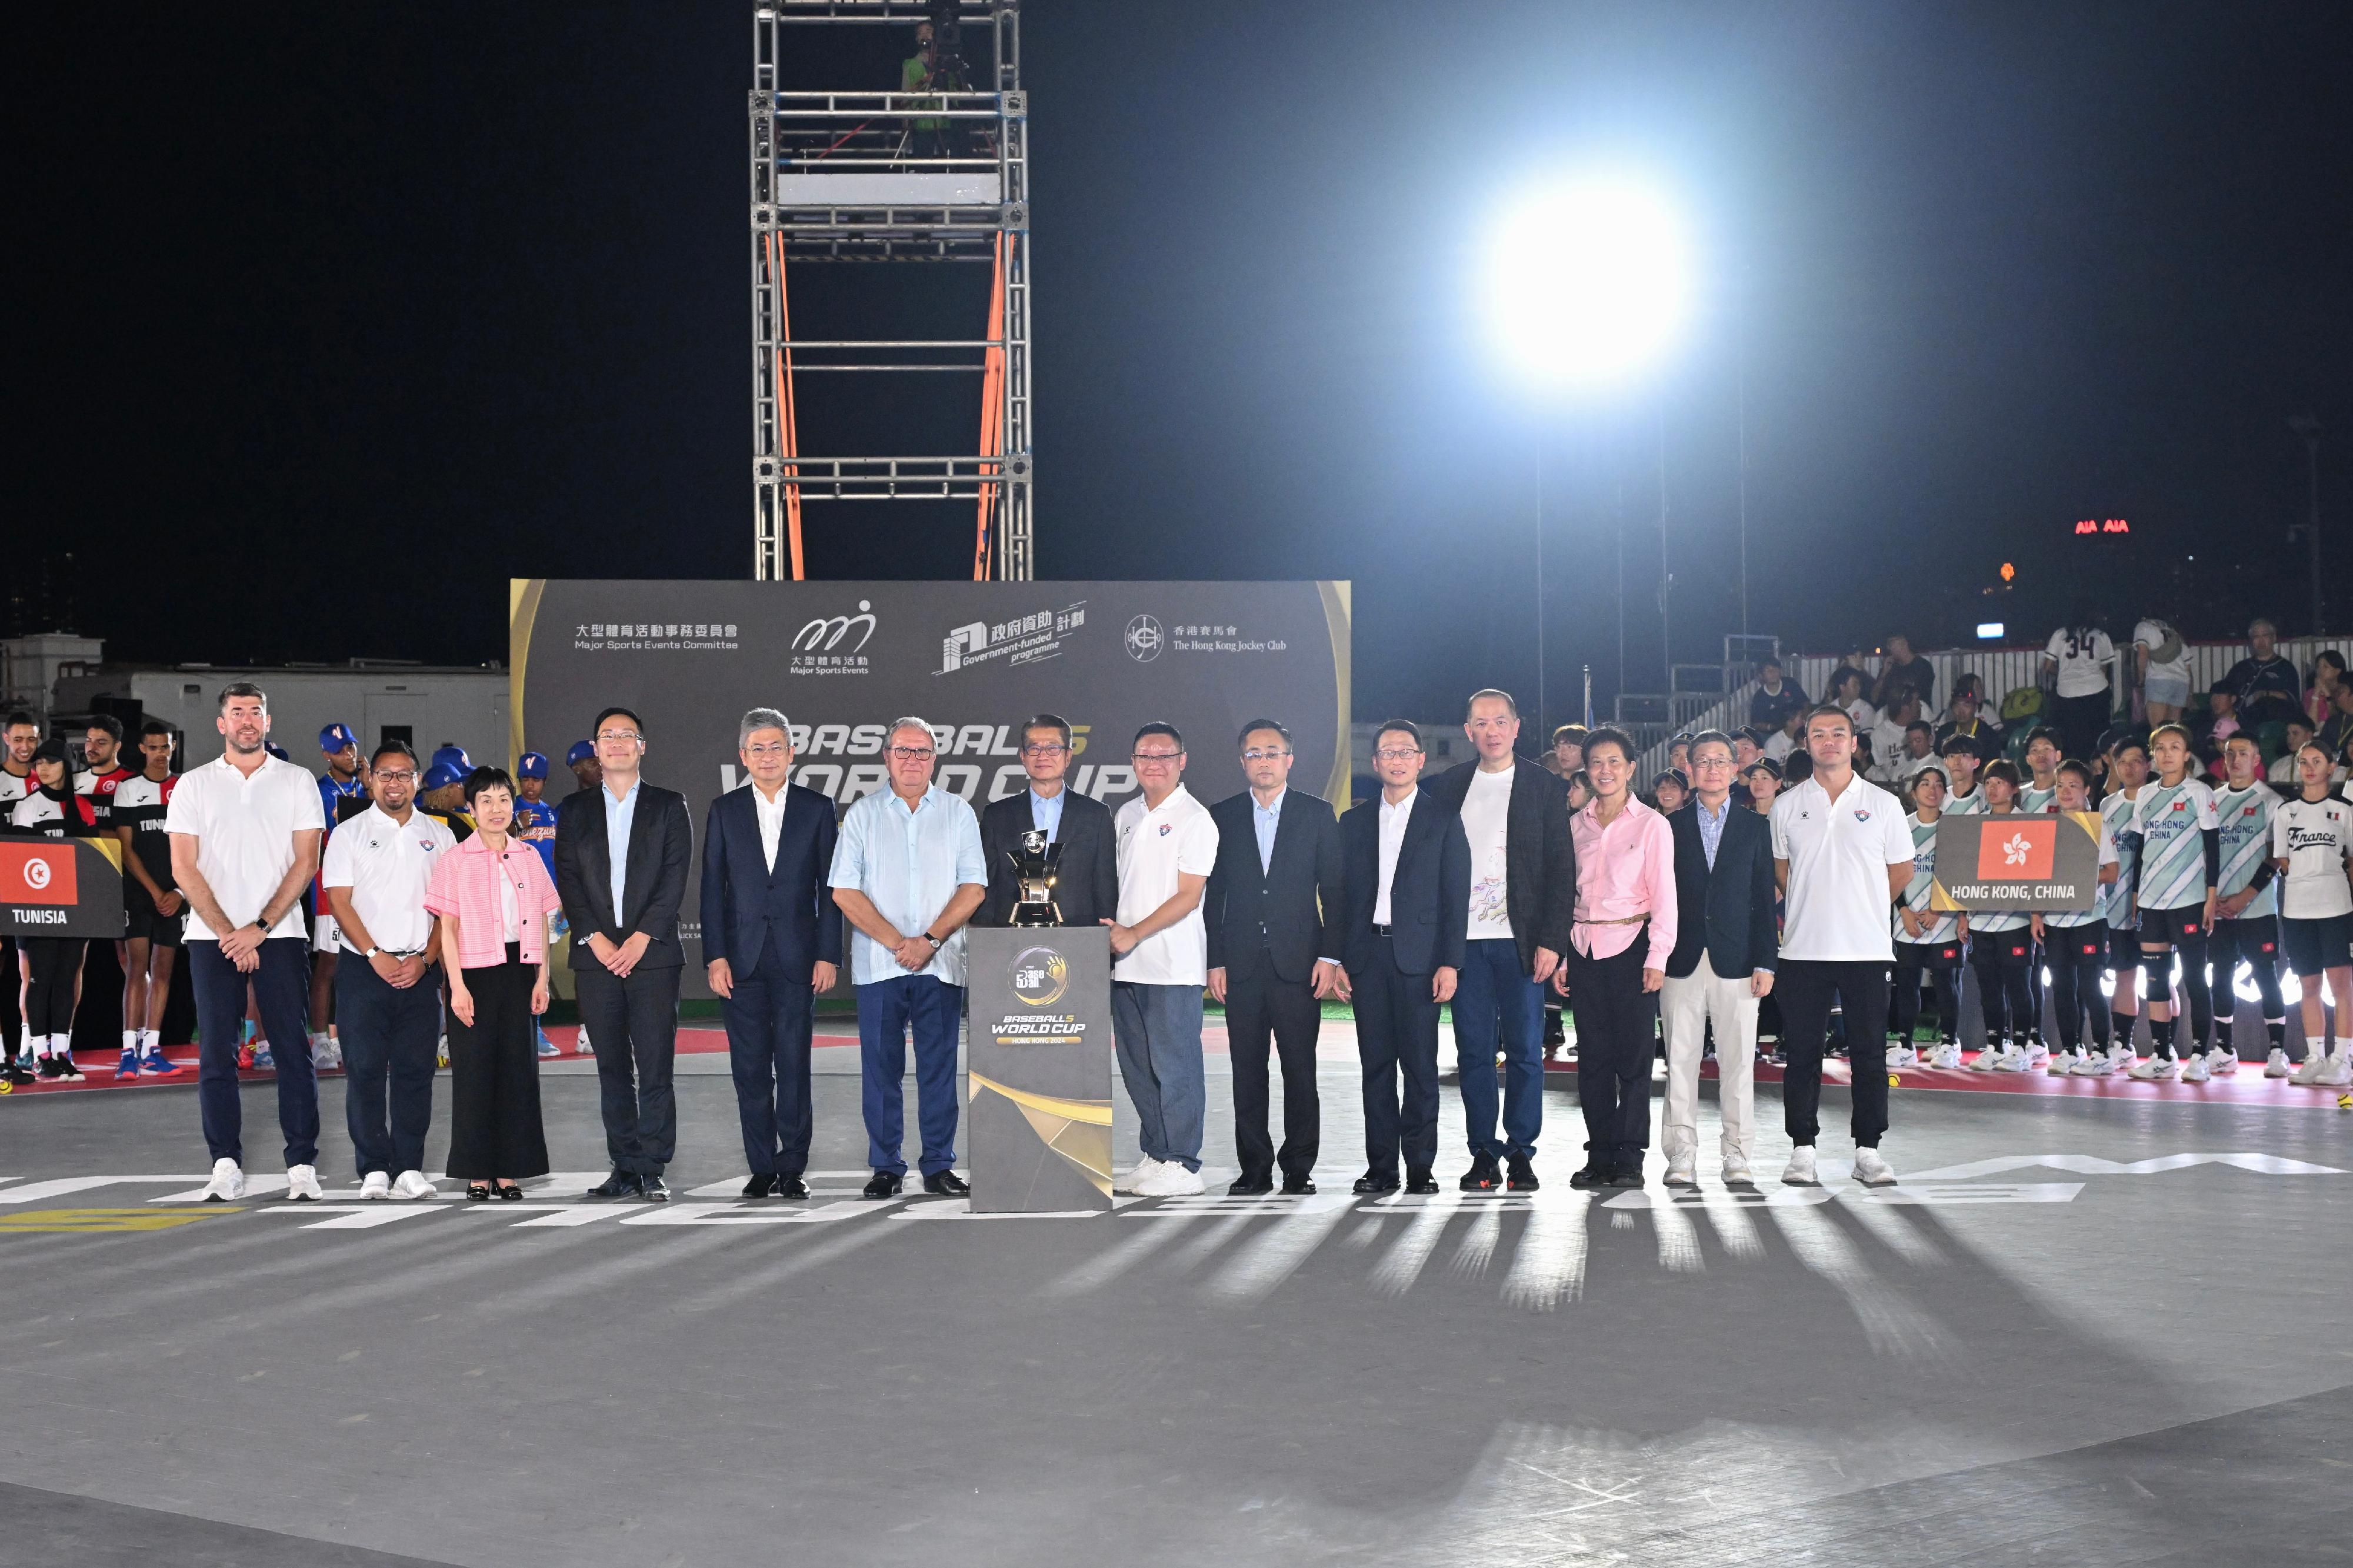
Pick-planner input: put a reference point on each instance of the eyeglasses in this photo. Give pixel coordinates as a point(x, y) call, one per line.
point(1255, 755)
point(775, 750)
point(1044, 749)
point(1396, 754)
point(616, 735)
point(914, 753)
point(391, 775)
point(1156, 756)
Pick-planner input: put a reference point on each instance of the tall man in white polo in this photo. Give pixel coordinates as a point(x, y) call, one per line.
point(388, 996)
point(245, 841)
point(1160, 963)
point(1843, 854)
point(907, 873)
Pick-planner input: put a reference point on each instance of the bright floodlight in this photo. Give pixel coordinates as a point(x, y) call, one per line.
point(1591, 281)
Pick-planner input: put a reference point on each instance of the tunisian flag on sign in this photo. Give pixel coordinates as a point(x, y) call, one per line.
point(2016, 849)
point(37, 874)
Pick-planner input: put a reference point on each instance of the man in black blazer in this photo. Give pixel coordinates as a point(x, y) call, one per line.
point(621, 857)
point(1523, 905)
point(771, 939)
point(1274, 907)
point(1406, 868)
point(1086, 877)
point(1723, 961)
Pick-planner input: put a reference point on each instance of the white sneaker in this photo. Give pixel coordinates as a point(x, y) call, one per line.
point(2276, 1065)
point(2316, 1062)
point(2195, 1071)
point(375, 1188)
point(413, 1185)
point(325, 1052)
point(1903, 1057)
point(302, 1184)
point(1947, 1057)
point(1170, 1180)
point(1736, 1172)
point(441, 1054)
point(1799, 1170)
point(2037, 1056)
point(2121, 1057)
point(581, 1046)
point(2100, 1064)
point(2222, 1059)
point(1147, 1167)
point(2064, 1063)
point(1989, 1058)
point(1682, 1172)
point(2336, 1073)
point(1872, 1169)
point(227, 1184)
point(2013, 1060)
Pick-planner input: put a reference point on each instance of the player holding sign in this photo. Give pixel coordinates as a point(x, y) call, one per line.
point(2177, 836)
point(2076, 942)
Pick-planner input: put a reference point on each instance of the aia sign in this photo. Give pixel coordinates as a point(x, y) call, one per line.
point(2110, 525)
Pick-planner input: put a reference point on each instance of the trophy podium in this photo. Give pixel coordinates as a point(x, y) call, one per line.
point(1037, 1054)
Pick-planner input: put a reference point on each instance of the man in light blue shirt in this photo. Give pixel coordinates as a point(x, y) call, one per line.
point(908, 873)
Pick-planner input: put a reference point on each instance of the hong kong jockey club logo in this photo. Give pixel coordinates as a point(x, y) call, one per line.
point(1144, 640)
point(826, 634)
point(1040, 975)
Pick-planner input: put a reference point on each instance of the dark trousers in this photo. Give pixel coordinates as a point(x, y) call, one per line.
point(769, 1021)
point(389, 1039)
point(2003, 992)
point(2077, 955)
point(494, 1123)
point(888, 1011)
point(633, 1027)
point(2078, 720)
point(1259, 1008)
point(1806, 987)
point(1496, 1007)
point(1616, 1043)
point(281, 988)
point(1396, 1032)
point(50, 965)
point(1944, 984)
point(2256, 939)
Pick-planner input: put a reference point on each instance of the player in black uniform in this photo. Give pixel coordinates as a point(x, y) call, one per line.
point(52, 964)
point(151, 899)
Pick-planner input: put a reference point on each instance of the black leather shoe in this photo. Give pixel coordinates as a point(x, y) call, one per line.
point(947, 1185)
point(1298, 1187)
point(1593, 1174)
point(1247, 1186)
point(884, 1186)
point(1626, 1176)
point(653, 1189)
point(1482, 1176)
point(619, 1185)
point(509, 1193)
point(760, 1186)
point(1420, 1182)
point(1372, 1183)
point(1522, 1177)
point(787, 1187)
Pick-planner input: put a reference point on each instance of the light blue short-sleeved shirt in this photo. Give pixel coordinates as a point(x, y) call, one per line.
point(910, 863)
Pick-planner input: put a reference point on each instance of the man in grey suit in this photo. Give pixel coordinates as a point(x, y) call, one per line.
point(1086, 885)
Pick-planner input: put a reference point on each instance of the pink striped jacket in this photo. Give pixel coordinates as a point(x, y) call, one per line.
point(466, 884)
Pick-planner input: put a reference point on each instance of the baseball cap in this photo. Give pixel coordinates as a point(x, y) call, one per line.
point(532, 766)
point(581, 752)
point(441, 775)
point(336, 738)
point(275, 750)
point(456, 757)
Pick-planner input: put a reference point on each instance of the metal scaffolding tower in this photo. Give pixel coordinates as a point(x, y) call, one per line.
point(938, 175)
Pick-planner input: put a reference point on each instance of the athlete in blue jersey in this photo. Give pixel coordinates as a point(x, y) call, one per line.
point(342, 791)
point(534, 824)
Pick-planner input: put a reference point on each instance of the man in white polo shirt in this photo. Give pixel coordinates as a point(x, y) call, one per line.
point(388, 996)
point(245, 841)
point(1843, 854)
point(1160, 961)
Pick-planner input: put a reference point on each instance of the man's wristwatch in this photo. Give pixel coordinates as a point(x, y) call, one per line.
point(371, 952)
point(937, 942)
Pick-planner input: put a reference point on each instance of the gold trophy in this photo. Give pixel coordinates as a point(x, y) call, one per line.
point(1034, 873)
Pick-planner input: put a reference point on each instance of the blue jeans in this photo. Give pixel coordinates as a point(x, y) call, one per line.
point(389, 1040)
point(1495, 1002)
point(282, 986)
point(887, 1011)
point(1158, 1031)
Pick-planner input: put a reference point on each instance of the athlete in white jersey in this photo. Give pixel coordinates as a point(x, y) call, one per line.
point(2075, 942)
point(2312, 845)
point(1926, 942)
point(2178, 834)
point(1962, 796)
point(2040, 794)
point(2247, 924)
point(2129, 767)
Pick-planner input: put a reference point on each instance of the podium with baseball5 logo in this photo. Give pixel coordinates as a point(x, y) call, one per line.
point(1037, 1062)
point(62, 886)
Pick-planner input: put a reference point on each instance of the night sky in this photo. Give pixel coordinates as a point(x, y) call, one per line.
point(332, 318)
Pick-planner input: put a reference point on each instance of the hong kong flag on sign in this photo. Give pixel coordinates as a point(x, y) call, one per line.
point(2017, 848)
point(37, 874)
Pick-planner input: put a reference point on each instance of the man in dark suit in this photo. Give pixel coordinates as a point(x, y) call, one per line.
point(771, 939)
point(1522, 907)
point(1722, 960)
point(1406, 868)
point(621, 857)
point(1273, 905)
point(1086, 877)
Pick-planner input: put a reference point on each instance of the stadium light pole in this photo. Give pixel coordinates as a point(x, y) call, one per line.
point(1588, 287)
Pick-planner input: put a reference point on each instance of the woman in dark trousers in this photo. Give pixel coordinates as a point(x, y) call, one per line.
point(493, 896)
point(52, 964)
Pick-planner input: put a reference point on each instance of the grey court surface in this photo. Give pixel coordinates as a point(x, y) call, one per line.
point(2084, 1331)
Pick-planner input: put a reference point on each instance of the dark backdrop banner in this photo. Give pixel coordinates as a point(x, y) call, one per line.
point(971, 659)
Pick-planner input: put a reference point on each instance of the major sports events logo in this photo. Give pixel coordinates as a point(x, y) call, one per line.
point(1040, 975)
point(824, 646)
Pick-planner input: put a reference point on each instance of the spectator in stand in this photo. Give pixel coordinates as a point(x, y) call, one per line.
point(1846, 692)
point(1903, 671)
point(2329, 679)
point(1918, 755)
point(2076, 660)
point(1763, 778)
point(1789, 737)
point(2264, 683)
point(1855, 662)
point(1566, 757)
point(2161, 659)
point(1775, 700)
point(1669, 791)
point(1967, 721)
point(1795, 769)
point(2282, 775)
point(1679, 755)
point(1886, 737)
point(2336, 732)
point(2217, 724)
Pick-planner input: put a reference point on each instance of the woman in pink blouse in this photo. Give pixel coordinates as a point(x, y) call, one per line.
point(493, 896)
point(1617, 960)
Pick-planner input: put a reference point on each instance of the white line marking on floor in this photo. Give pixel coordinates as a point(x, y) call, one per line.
point(61, 1185)
point(745, 1214)
point(2093, 1165)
